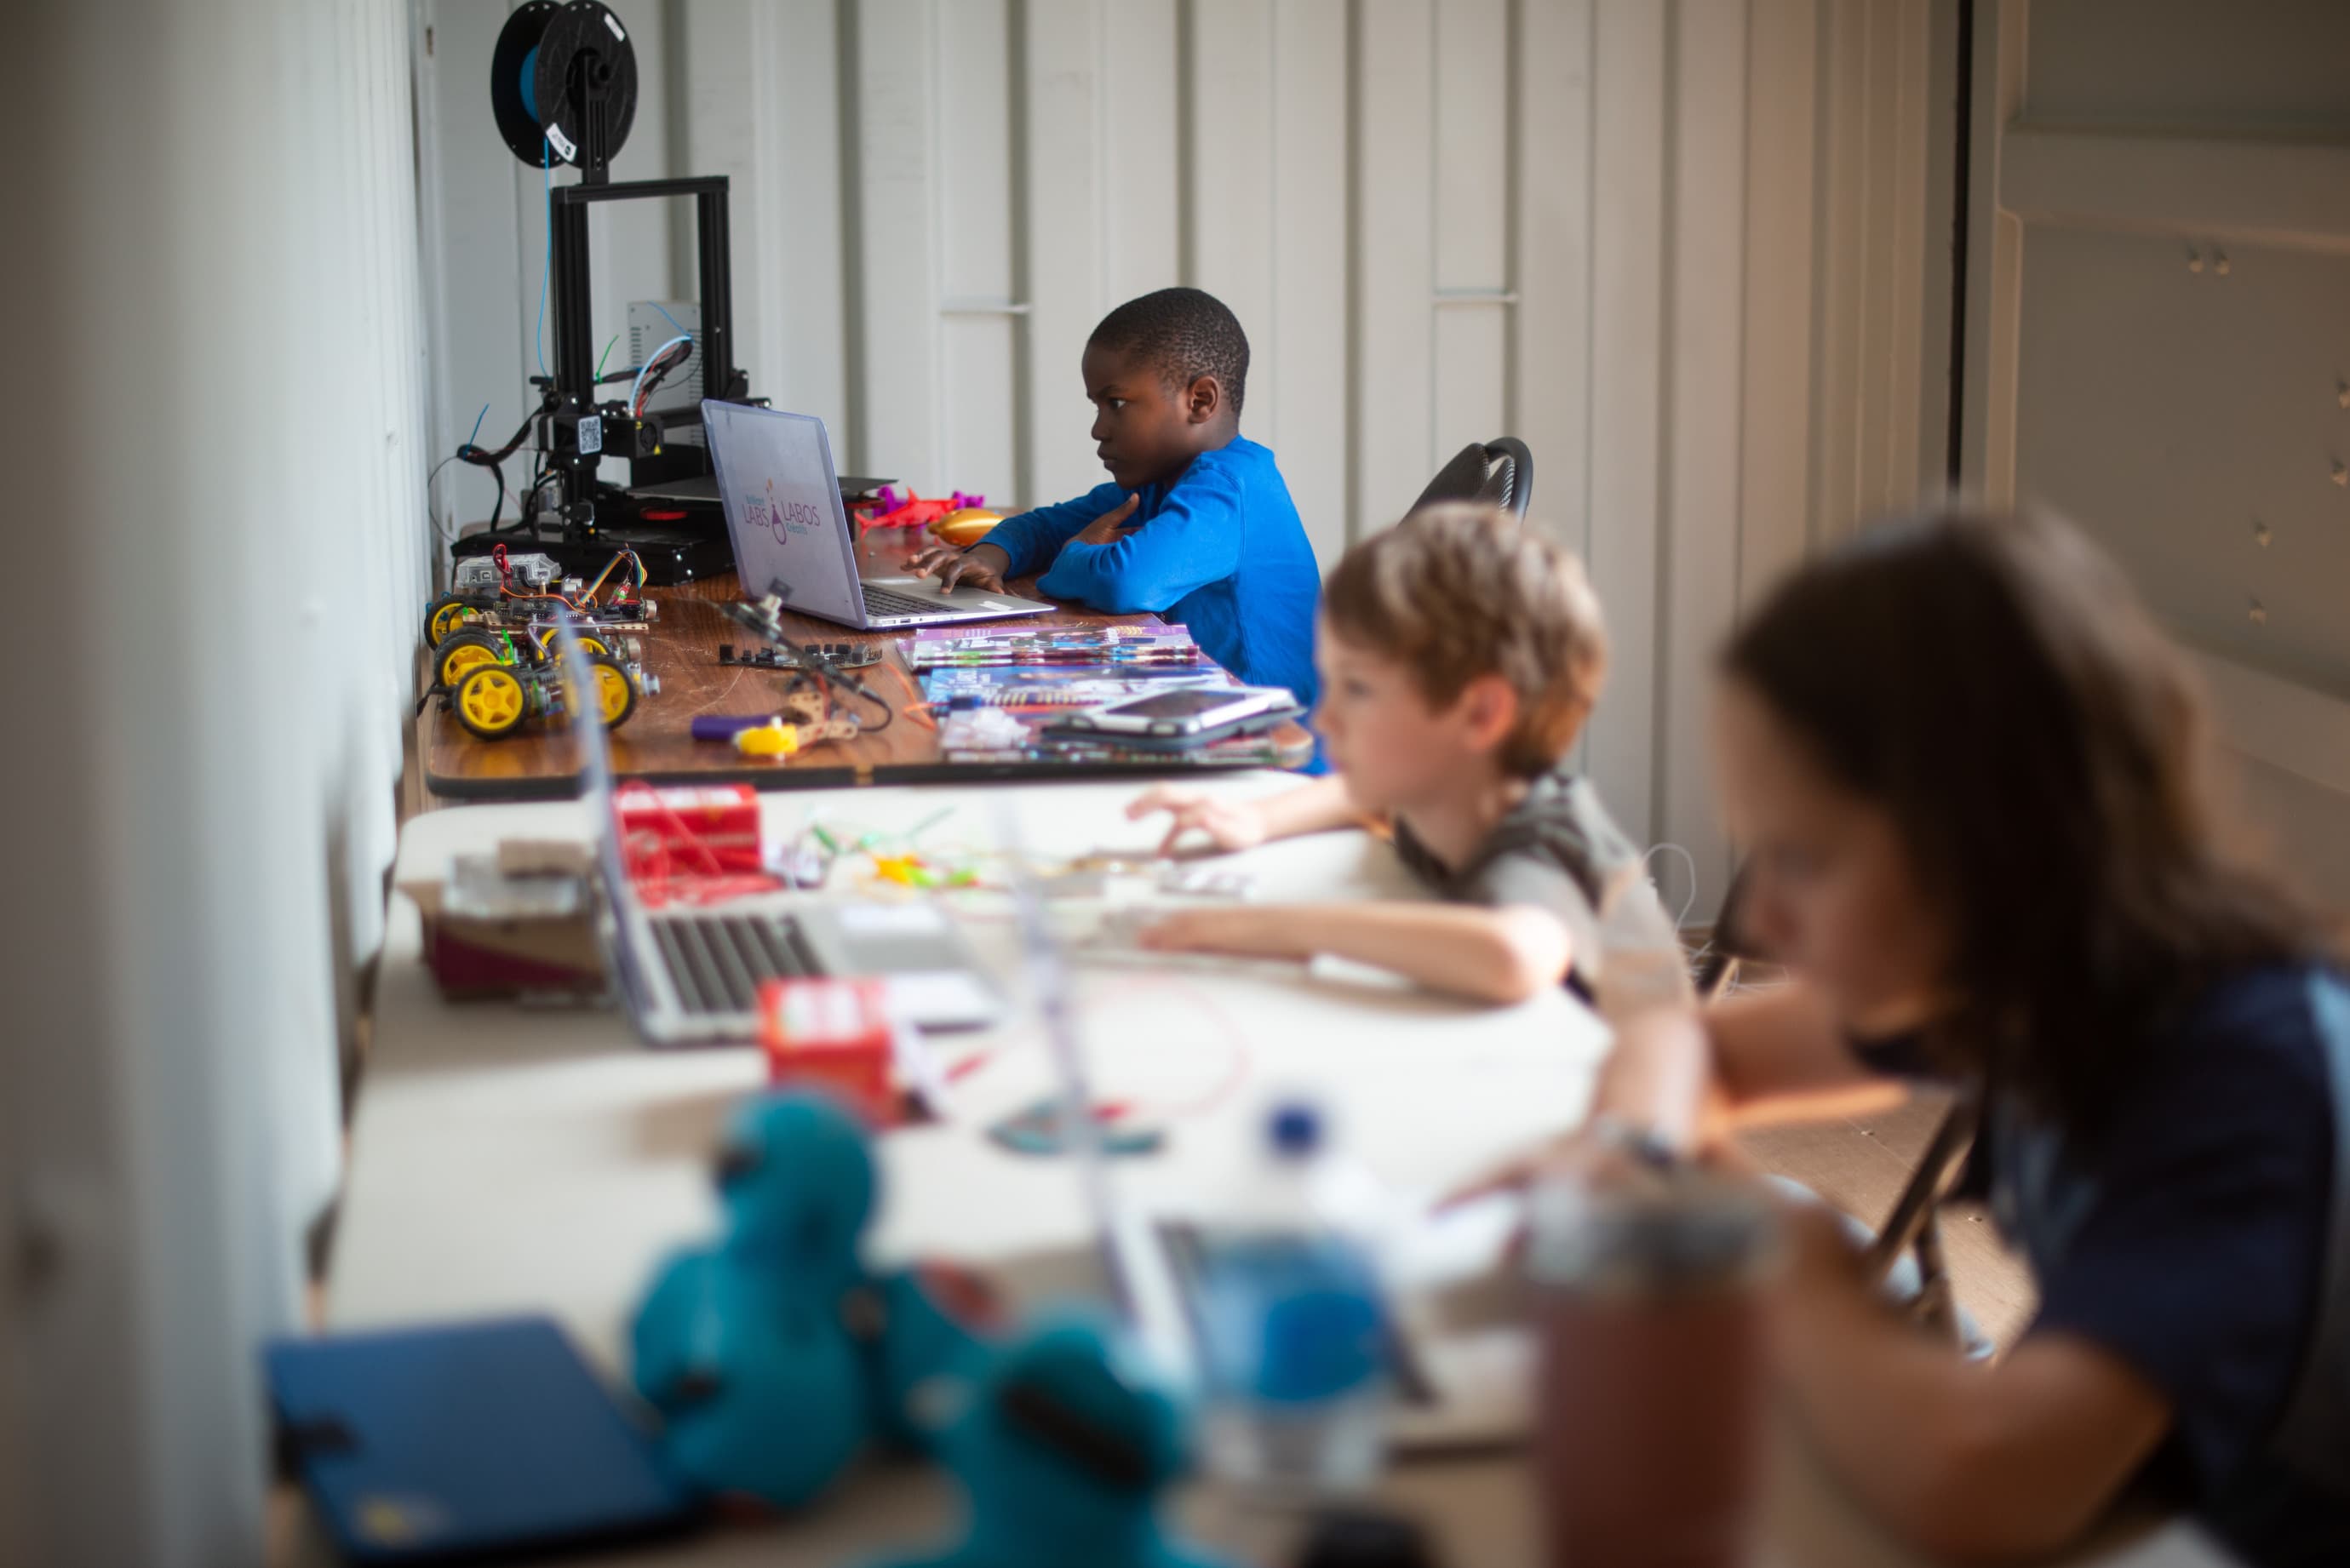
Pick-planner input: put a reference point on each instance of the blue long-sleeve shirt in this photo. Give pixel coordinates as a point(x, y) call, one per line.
point(1219, 550)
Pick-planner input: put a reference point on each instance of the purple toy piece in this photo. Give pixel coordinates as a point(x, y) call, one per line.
point(726, 726)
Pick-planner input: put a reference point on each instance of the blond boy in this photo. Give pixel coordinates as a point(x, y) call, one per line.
point(1460, 656)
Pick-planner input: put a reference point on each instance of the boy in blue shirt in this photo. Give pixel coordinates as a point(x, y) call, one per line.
point(1195, 525)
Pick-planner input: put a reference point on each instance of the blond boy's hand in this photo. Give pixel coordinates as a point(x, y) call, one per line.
point(1227, 824)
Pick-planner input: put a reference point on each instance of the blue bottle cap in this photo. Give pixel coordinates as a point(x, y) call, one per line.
point(1294, 1130)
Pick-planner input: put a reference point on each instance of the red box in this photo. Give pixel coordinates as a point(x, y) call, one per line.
point(835, 1033)
point(690, 830)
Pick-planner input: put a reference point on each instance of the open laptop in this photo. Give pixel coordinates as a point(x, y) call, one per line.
point(791, 533)
point(690, 975)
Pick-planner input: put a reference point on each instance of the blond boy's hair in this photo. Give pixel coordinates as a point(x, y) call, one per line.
point(1457, 591)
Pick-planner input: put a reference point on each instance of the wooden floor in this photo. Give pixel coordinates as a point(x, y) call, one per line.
point(1860, 1165)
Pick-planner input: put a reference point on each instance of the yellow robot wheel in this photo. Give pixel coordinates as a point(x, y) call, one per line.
point(444, 616)
point(589, 642)
point(616, 694)
point(459, 655)
point(491, 701)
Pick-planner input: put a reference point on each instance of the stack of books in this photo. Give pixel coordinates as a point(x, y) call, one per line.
point(1036, 674)
point(1146, 649)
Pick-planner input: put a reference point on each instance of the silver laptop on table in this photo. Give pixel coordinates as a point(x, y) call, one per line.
point(791, 533)
point(690, 975)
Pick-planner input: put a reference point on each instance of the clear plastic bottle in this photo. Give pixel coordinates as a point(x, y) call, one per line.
point(1296, 1366)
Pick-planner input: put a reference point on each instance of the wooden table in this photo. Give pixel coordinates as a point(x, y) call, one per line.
point(680, 648)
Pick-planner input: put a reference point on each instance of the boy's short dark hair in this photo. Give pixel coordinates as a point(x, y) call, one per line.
point(1185, 333)
point(1456, 591)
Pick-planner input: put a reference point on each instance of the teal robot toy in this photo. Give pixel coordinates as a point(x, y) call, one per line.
point(775, 1356)
point(1066, 1451)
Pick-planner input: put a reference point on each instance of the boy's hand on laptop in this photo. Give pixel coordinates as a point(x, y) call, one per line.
point(981, 567)
point(1110, 526)
point(1226, 822)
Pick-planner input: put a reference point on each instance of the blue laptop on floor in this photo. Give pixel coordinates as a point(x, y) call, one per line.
point(464, 1442)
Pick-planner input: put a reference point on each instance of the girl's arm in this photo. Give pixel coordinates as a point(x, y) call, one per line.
point(1776, 1055)
point(1498, 955)
point(1690, 1076)
point(1973, 1463)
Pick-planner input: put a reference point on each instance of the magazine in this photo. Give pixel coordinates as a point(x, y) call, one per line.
point(934, 648)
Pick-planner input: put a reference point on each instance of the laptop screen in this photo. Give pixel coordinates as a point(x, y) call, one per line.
point(597, 794)
point(784, 515)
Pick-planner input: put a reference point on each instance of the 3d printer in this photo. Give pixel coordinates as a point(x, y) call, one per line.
point(563, 88)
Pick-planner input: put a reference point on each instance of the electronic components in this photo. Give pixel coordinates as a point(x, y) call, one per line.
point(807, 656)
point(499, 591)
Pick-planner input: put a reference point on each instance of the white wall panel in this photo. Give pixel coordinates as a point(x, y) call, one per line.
point(1234, 151)
point(1627, 346)
point(1551, 376)
point(763, 107)
point(1869, 307)
point(1099, 204)
point(1705, 394)
point(1268, 237)
point(900, 378)
point(632, 243)
point(1142, 243)
point(1395, 275)
point(1066, 245)
point(1305, 343)
point(971, 189)
point(1842, 271)
point(232, 209)
point(1470, 151)
point(2158, 336)
point(474, 271)
point(1774, 503)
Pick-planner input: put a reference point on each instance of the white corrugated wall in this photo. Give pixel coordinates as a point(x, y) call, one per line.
point(1589, 223)
point(216, 566)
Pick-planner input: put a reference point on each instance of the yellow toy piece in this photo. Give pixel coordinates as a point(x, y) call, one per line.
point(906, 870)
point(965, 526)
point(911, 871)
point(491, 701)
point(773, 741)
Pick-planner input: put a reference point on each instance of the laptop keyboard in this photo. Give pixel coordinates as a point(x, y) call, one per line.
point(887, 601)
point(717, 961)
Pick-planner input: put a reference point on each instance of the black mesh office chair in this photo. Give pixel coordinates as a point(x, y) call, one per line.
point(1501, 472)
point(1914, 1224)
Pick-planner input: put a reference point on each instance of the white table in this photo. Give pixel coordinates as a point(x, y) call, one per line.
point(510, 1160)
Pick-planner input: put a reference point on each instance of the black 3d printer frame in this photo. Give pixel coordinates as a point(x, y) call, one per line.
point(597, 518)
point(581, 102)
point(575, 350)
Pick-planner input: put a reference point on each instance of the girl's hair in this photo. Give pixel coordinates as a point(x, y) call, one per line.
point(1994, 684)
